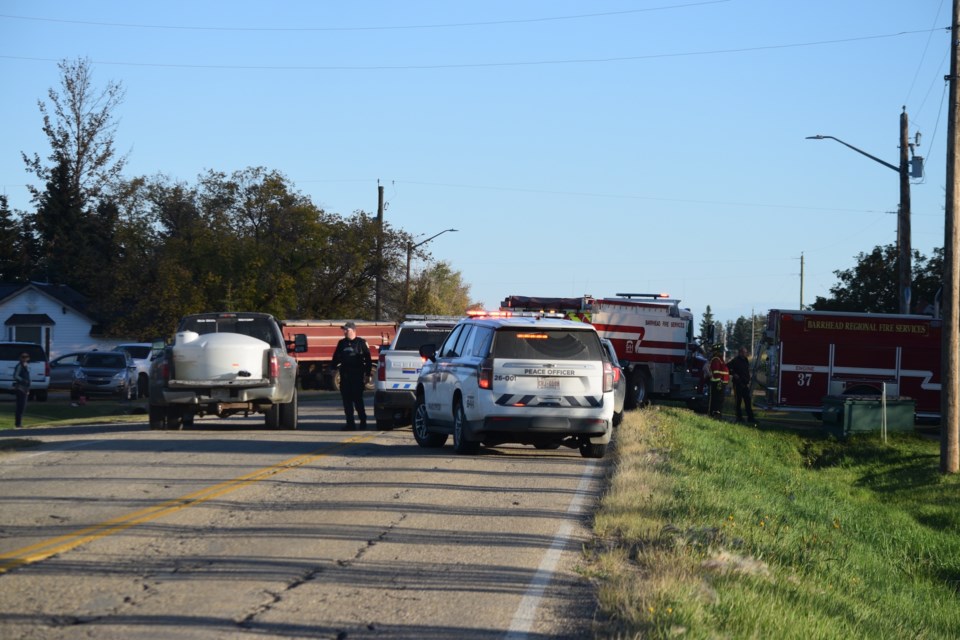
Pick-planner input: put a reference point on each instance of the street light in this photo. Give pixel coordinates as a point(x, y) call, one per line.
point(903, 219)
point(410, 248)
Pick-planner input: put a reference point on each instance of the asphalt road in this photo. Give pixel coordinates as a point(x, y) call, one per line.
point(228, 530)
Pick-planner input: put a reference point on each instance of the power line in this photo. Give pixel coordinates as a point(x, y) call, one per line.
point(370, 28)
point(476, 65)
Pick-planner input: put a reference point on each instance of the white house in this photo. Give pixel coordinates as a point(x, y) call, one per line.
point(52, 315)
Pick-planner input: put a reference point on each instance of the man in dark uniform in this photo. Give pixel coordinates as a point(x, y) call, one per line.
point(352, 356)
point(740, 370)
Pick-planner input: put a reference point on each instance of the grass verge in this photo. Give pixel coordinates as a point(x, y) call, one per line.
point(718, 530)
point(58, 409)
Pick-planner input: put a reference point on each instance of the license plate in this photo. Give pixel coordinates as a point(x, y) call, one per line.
point(548, 383)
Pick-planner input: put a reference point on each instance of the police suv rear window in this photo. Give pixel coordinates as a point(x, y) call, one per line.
point(412, 338)
point(546, 344)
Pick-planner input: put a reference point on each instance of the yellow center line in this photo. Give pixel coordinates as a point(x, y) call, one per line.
point(47, 548)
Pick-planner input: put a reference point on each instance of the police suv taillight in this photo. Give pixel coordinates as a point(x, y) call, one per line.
point(607, 377)
point(381, 368)
point(485, 377)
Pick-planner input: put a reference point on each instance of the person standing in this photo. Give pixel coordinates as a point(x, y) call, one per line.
point(719, 376)
point(352, 356)
point(21, 387)
point(740, 372)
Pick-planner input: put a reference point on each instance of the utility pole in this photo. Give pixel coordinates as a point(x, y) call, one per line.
point(903, 217)
point(379, 278)
point(801, 281)
point(950, 348)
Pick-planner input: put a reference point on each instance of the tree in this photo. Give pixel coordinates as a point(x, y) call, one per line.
point(872, 286)
point(706, 323)
point(73, 221)
point(439, 290)
point(16, 247)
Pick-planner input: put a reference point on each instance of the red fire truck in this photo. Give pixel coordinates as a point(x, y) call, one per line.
point(652, 335)
point(313, 365)
point(807, 355)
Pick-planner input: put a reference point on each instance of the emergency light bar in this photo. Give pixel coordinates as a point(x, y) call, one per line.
point(516, 314)
point(643, 295)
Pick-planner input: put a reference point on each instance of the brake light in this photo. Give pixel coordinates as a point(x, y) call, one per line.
point(381, 368)
point(274, 366)
point(485, 377)
point(608, 377)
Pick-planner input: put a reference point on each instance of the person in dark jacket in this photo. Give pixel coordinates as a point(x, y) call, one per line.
point(352, 356)
point(21, 387)
point(740, 370)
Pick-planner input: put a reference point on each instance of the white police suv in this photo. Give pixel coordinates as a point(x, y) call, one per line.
point(524, 379)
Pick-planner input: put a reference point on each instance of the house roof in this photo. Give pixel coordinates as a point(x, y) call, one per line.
point(60, 292)
point(29, 319)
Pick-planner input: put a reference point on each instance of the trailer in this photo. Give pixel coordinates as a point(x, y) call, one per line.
point(807, 356)
point(314, 370)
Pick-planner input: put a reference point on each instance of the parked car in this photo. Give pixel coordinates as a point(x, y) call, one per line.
point(528, 380)
point(63, 369)
point(39, 369)
point(619, 381)
point(111, 373)
point(142, 354)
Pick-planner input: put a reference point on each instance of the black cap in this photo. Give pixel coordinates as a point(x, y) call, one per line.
point(349, 325)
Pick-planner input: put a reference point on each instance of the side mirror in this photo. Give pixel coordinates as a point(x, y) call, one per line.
point(429, 351)
point(300, 343)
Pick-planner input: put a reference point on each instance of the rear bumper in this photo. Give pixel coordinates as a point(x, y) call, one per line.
point(387, 403)
point(530, 429)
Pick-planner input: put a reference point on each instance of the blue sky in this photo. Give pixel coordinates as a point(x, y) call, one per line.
point(578, 147)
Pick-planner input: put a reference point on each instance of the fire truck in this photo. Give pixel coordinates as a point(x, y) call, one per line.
point(807, 355)
point(313, 365)
point(651, 334)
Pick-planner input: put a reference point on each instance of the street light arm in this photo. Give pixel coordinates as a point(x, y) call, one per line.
point(412, 247)
point(860, 151)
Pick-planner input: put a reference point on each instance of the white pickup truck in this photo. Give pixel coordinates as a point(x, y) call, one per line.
point(399, 365)
point(223, 364)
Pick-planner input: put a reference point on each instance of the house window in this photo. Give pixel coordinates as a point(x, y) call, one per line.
point(27, 334)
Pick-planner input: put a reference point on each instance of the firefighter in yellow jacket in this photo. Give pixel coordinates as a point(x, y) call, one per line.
point(718, 375)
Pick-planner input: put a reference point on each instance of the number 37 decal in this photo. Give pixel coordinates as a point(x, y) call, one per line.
point(803, 379)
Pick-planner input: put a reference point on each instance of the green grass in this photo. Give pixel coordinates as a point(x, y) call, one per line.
point(717, 530)
point(58, 409)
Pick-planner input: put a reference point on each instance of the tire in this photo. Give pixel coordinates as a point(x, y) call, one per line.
point(334, 380)
point(158, 417)
point(370, 382)
point(289, 413)
point(186, 419)
point(460, 444)
point(638, 390)
point(590, 450)
point(143, 385)
point(617, 419)
point(174, 418)
point(271, 417)
point(421, 433)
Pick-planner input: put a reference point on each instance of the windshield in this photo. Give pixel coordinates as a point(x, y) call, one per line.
point(412, 338)
point(105, 360)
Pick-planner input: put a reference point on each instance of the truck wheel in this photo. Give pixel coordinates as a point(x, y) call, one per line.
point(271, 417)
point(590, 450)
point(460, 443)
point(638, 390)
point(158, 417)
point(288, 413)
point(334, 379)
point(421, 433)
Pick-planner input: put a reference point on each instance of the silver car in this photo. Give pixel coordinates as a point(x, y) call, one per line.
point(110, 373)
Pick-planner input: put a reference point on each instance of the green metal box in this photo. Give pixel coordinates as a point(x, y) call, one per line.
point(845, 415)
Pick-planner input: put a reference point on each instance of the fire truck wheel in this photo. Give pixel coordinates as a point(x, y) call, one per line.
point(638, 391)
